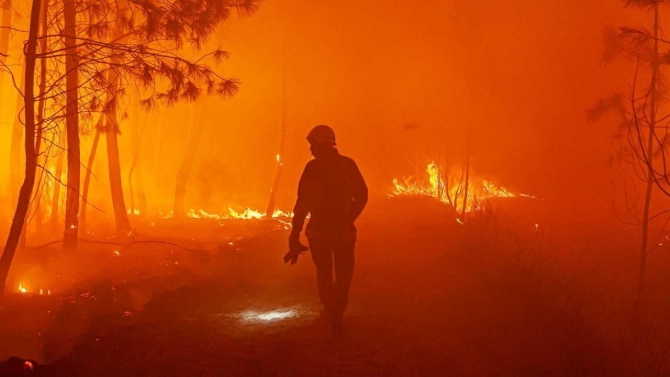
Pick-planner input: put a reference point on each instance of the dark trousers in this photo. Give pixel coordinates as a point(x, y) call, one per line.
point(326, 252)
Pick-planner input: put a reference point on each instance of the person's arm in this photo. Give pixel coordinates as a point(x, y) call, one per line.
point(301, 208)
point(360, 192)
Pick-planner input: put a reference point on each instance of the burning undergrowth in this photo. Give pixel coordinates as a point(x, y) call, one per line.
point(465, 193)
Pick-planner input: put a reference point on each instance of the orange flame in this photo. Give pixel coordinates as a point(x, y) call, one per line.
point(452, 189)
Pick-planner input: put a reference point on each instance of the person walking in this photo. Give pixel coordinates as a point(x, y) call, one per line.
point(333, 192)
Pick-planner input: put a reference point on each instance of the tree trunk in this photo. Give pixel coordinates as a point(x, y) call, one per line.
point(71, 232)
point(282, 142)
point(5, 33)
point(55, 200)
point(40, 112)
point(120, 214)
point(87, 176)
point(138, 127)
point(29, 148)
point(136, 155)
point(141, 193)
point(157, 140)
point(111, 133)
point(650, 158)
point(15, 146)
point(186, 166)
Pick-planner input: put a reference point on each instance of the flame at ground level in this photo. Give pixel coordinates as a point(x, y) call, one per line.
point(451, 188)
point(247, 214)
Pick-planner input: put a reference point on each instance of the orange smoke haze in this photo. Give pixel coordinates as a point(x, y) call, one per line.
point(402, 84)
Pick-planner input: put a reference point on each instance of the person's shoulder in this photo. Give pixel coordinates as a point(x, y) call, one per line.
point(310, 164)
point(348, 161)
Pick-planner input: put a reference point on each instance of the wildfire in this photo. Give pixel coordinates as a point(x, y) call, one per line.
point(23, 290)
point(201, 214)
point(247, 214)
point(451, 189)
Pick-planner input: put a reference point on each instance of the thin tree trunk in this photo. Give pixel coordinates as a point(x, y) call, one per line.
point(136, 155)
point(120, 214)
point(40, 112)
point(29, 148)
point(40, 118)
point(111, 133)
point(5, 33)
point(282, 142)
point(15, 147)
point(186, 166)
point(141, 193)
point(55, 200)
point(157, 143)
point(83, 225)
point(650, 158)
point(71, 232)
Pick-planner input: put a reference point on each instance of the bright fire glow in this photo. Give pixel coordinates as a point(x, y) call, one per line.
point(247, 214)
point(451, 190)
point(22, 289)
point(268, 316)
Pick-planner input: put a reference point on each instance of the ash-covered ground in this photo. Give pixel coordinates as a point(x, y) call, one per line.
point(506, 294)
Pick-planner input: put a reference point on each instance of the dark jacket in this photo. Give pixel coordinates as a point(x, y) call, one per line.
point(333, 192)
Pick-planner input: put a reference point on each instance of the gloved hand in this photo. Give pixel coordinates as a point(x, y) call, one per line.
point(295, 248)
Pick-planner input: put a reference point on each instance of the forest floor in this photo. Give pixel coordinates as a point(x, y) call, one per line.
point(498, 296)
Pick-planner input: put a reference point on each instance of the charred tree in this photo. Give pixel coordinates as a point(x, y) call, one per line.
point(15, 146)
point(644, 139)
point(111, 134)
point(71, 232)
point(41, 110)
point(650, 160)
point(29, 149)
point(113, 159)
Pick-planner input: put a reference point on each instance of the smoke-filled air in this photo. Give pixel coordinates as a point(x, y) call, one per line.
point(334, 188)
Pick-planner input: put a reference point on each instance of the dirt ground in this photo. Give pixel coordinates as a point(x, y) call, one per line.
point(430, 297)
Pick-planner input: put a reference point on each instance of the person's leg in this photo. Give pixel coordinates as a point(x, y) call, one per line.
point(343, 252)
point(322, 255)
